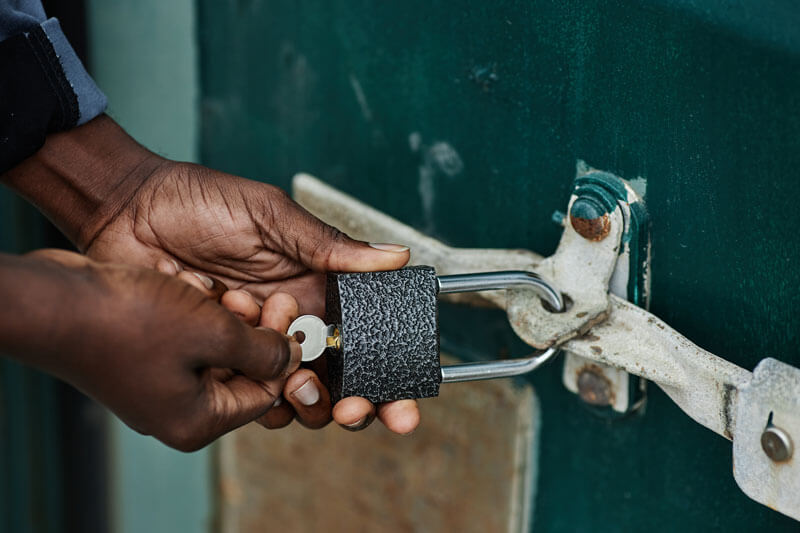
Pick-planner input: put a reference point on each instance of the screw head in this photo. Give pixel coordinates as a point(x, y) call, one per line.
point(776, 444)
point(594, 388)
point(589, 219)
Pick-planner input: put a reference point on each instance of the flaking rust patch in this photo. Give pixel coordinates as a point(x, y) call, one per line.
point(593, 229)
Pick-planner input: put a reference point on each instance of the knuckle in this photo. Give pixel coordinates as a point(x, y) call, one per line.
point(329, 239)
point(277, 195)
point(184, 438)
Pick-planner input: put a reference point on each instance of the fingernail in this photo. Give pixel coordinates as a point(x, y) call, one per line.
point(278, 401)
point(177, 266)
point(387, 247)
point(205, 280)
point(357, 424)
point(307, 394)
point(361, 424)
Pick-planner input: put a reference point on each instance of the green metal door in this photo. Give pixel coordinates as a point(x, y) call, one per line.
point(466, 119)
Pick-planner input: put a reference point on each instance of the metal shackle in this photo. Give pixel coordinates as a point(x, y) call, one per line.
point(489, 281)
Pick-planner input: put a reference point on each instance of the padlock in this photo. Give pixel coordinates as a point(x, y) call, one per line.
point(381, 332)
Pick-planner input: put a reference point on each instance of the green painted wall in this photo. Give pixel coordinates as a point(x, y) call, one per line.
point(144, 57)
point(466, 118)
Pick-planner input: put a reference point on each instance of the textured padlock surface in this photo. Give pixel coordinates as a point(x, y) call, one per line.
point(389, 334)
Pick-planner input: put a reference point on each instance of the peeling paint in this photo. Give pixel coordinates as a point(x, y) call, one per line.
point(361, 98)
point(438, 159)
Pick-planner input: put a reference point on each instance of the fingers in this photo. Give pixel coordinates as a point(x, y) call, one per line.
point(168, 266)
point(258, 353)
point(239, 302)
point(279, 311)
point(354, 413)
point(242, 304)
point(211, 287)
point(400, 417)
point(309, 398)
point(304, 392)
point(280, 415)
point(233, 403)
point(320, 247)
point(64, 257)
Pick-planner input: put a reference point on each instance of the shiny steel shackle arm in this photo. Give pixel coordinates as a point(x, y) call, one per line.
point(488, 281)
point(496, 369)
point(507, 279)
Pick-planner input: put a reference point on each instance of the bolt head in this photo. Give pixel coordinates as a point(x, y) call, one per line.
point(777, 444)
point(594, 388)
point(589, 219)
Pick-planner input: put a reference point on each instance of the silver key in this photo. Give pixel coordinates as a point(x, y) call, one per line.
point(318, 335)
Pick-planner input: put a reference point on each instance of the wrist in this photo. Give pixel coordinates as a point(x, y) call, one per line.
point(82, 178)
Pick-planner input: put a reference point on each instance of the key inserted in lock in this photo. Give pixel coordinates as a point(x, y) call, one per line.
point(383, 333)
point(317, 336)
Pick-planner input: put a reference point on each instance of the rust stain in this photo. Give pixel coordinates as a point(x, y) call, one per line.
point(593, 386)
point(596, 349)
point(727, 417)
point(593, 229)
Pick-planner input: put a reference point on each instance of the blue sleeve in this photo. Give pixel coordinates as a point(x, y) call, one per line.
point(21, 17)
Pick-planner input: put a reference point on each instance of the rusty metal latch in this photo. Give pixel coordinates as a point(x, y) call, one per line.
point(759, 411)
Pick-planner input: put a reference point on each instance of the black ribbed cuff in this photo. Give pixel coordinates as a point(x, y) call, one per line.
point(35, 96)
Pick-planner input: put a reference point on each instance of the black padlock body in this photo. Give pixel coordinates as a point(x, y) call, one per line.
point(389, 327)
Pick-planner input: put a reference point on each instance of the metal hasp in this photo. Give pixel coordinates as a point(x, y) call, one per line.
point(598, 200)
point(609, 330)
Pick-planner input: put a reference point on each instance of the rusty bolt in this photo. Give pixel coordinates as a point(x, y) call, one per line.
point(776, 444)
point(594, 388)
point(589, 219)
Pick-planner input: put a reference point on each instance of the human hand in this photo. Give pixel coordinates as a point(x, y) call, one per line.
point(305, 395)
point(166, 359)
point(120, 202)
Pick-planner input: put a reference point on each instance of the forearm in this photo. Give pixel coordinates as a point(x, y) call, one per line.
point(41, 309)
point(81, 178)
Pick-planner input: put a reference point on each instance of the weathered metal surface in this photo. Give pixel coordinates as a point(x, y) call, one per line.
point(470, 467)
point(581, 269)
point(595, 194)
point(771, 399)
point(628, 338)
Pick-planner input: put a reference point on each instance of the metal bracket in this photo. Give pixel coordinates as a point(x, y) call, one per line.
point(610, 391)
point(716, 393)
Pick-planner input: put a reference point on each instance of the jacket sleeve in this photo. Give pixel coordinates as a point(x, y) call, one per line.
point(44, 87)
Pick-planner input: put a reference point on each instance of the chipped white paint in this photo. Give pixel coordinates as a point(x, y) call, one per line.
point(774, 392)
point(439, 159)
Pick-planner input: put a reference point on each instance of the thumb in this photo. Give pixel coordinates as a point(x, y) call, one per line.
point(259, 353)
point(321, 247)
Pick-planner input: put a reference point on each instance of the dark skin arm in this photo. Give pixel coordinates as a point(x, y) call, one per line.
point(166, 359)
point(119, 202)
